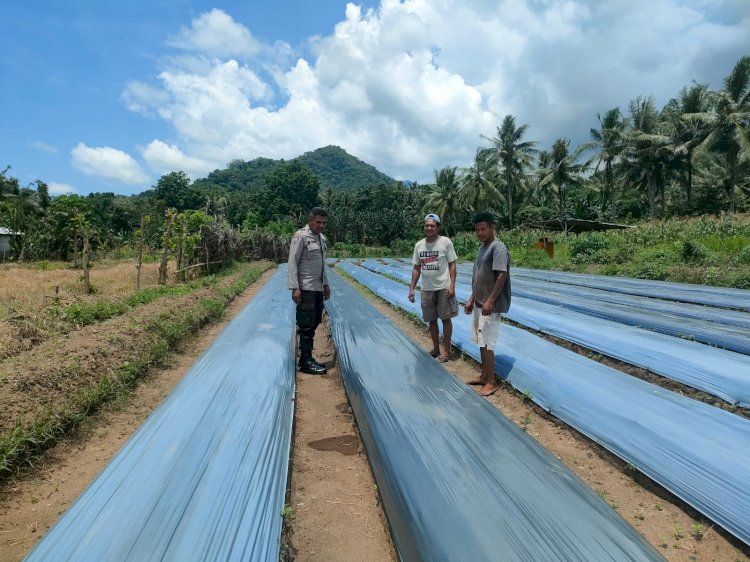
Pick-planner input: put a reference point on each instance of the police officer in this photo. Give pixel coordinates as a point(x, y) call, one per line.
point(309, 284)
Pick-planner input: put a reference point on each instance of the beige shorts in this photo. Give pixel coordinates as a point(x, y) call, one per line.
point(485, 329)
point(437, 304)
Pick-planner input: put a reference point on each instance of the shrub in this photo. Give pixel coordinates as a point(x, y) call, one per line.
point(743, 256)
point(466, 245)
point(694, 252)
point(589, 248)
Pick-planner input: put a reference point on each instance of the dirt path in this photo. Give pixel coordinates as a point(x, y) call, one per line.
point(29, 506)
point(656, 514)
point(337, 516)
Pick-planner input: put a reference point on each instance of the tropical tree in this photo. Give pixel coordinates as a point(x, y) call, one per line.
point(479, 184)
point(292, 191)
point(175, 191)
point(648, 153)
point(563, 171)
point(444, 198)
point(686, 133)
point(609, 142)
point(513, 155)
point(727, 126)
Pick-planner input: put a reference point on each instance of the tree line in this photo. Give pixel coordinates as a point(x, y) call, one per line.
point(690, 157)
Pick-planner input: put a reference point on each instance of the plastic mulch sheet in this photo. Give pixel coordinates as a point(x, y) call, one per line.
point(718, 372)
point(698, 294)
point(734, 338)
point(697, 451)
point(532, 288)
point(458, 480)
point(204, 478)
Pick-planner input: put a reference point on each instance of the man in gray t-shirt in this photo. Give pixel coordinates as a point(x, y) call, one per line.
point(490, 296)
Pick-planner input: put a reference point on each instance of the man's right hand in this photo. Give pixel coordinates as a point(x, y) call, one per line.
point(469, 306)
point(296, 296)
point(411, 295)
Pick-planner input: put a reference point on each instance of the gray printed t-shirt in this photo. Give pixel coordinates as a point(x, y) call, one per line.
point(491, 260)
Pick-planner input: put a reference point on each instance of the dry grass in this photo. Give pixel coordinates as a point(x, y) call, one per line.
point(26, 290)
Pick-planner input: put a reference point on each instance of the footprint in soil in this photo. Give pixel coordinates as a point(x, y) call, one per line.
point(344, 444)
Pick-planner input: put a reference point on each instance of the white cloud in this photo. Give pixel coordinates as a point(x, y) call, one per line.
point(410, 86)
point(216, 34)
point(108, 163)
point(163, 158)
point(44, 147)
point(56, 188)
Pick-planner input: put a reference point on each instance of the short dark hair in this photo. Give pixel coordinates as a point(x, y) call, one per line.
point(484, 217)
point(318, 212)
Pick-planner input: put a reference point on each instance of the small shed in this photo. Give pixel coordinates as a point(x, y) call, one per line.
point(6, 235)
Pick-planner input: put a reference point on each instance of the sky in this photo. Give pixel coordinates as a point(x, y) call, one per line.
point(108, 96)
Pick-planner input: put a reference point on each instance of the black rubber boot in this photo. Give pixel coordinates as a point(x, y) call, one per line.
point(306, 362)
point(311, 367)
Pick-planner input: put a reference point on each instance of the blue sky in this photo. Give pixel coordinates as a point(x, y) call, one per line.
point(104, 96)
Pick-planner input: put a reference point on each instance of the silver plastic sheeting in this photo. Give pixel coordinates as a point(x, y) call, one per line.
point(684, 292)
point(734, 338)
point(719, 372)
point(458, 480)
point(204, 478)
point(698, 452)
point(534, 288)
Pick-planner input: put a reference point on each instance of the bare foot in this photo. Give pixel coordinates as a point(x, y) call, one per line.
point(443, 357)
point(477, 381)
point(488, 389)
point(435, 352)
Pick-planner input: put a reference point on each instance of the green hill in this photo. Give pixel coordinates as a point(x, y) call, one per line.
point(334, 167)
point(341, 171)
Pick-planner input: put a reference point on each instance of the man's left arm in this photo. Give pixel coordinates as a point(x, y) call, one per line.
point(326, 288)
point(500, 259)
point(452, 274)
point(489, 303)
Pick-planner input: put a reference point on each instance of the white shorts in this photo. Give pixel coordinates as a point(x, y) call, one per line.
point(485, 329)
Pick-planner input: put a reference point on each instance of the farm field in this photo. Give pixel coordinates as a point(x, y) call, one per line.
point(672, 527)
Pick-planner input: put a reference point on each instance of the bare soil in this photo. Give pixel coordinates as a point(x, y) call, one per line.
point(33, 502)
point(666, 522)
point(337, 515)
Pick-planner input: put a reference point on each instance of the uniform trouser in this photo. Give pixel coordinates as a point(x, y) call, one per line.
point(309, 315)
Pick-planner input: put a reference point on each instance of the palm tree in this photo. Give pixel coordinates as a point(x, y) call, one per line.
point(610, 142)
point(479, 184)
point(727, 125)
point(686, 133)
point(444, 197)
point(513, 155)
point(563, 171)
point(647, 154)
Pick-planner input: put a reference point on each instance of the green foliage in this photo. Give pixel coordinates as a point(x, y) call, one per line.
point(589, 248)
point(85, 313)
point(743, 256)
point(466, 245)
point(175, 191)
point(292, 191)
point(337, 169)
point(694, 252)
